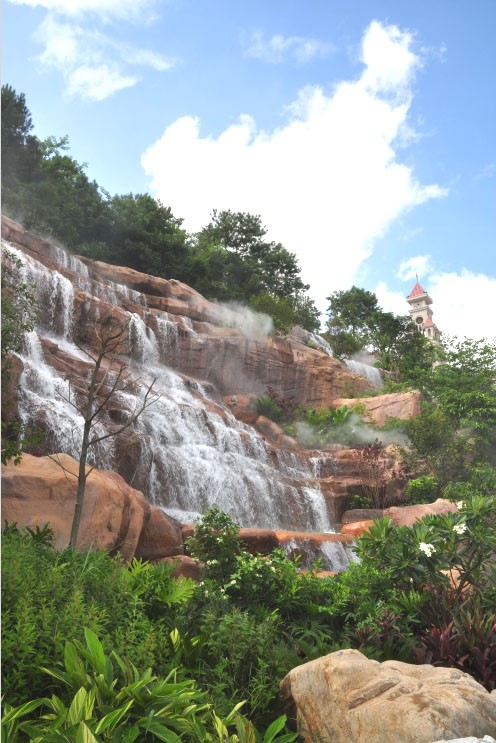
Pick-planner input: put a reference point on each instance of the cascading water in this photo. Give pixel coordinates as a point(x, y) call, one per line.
point(372, 373)
point(189, 452)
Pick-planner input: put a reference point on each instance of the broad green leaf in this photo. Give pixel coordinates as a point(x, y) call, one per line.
point(81, 706)
point(84, 734)
point(234, 711)
point(74, 665)
point(159, 730)
point(274, 728)
point(129, 735)
point(15, 712)
point(109, 722)
point(95, 647)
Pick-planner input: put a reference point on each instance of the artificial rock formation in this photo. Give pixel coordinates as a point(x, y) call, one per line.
point(115, 517)
point(378, 410)
point(202, 443)
point(345, 697)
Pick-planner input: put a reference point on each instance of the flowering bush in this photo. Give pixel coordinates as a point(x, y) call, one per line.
point(270, 581)
point(216, 543)
point(450, 561)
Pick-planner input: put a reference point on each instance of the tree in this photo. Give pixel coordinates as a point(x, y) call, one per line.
point(463, 387)
point(107, 377)
point(141, 233)
point(21, 156)
point(351, 315)
point(231, 259)
point(19, 313)
point(357, 322)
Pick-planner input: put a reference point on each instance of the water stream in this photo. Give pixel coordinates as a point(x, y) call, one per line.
point(187, 451)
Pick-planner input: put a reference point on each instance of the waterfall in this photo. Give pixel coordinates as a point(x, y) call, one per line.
point(334, 556)
point(186, 452)
point(372, 373)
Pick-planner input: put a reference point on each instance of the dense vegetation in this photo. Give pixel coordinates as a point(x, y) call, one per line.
point(357, 322)
point(420, 594)
point(230, 259)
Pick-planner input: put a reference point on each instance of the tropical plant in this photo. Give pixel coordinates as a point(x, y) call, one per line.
point(109, 699)
point(422, 489)
point(216, 544)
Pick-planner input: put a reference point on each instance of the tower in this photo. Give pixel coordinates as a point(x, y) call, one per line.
point(421, 313)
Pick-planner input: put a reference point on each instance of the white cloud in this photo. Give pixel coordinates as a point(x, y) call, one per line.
point(391, 301)
point(327, 184)
point(281, 48)
point(93, 65)
point(418, 265)
point(461, 302)
point(106, 9)
point(389, 60)
point(97, 83)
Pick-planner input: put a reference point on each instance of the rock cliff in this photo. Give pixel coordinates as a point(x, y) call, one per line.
point(196, 447)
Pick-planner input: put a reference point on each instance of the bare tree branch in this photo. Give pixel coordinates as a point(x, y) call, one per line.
point(107, 378)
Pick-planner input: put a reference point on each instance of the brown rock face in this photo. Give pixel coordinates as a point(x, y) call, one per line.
point(201, 444)
point(161, 536)
point(402, 405)
point(357, 528)
point(39, 491)
point(346, 697)
point(408, 515)
point(185, 567)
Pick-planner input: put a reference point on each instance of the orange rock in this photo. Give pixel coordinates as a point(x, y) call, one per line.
point(161, 536)
point(38, 491)
point(185, 567)
point(378, 409)
point(357, 528)
point(259, 541)
point(408, 515)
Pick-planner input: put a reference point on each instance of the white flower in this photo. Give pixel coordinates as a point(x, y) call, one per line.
point(459, 504)
point(460, 528)
point(233, 583)
point(427, 549)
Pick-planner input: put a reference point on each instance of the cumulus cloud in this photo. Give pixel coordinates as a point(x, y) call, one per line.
point(328, 183)
point(417, 265)
point(281, 48)
point(94, 66)
point(462, 303)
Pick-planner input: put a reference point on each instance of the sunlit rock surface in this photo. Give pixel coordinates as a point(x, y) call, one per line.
point(345, 697)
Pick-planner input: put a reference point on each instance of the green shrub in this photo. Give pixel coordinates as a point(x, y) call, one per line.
point(449, 560)
point(109, 699)
point(422, 490)
point(216, 543)
point(266, 405)
point(49, 597)
point(270, 581)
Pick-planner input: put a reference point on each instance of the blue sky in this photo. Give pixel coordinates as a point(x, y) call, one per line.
point(362, 131)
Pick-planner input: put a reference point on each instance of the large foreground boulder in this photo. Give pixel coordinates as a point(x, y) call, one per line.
point(344, 697)
point(39, 491)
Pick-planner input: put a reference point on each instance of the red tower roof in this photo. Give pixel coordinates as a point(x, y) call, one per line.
point(417, 291)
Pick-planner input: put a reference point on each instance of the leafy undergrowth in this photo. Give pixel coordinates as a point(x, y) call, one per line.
point(134, 655)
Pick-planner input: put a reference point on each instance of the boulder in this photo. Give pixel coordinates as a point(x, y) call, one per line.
point(259, 541)
point(39, 491)
point(357, 528)
point(344, 697)
point(185, 567)
point(361, 514)
point(378, 409)
point(160, 537)
point(408, 515)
